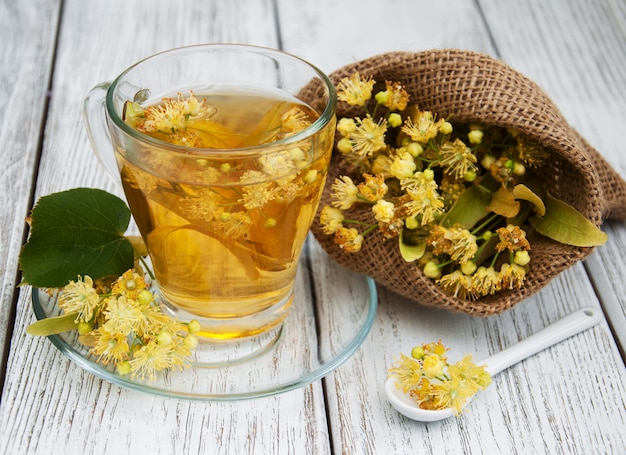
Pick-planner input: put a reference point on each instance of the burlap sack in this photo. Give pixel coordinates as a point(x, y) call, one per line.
point(474, 87)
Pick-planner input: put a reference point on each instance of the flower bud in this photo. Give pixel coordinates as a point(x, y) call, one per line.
point(346, 126)
point(123, 368)
point(84, 328)
point(344, 146)
point(521, 257)
point(193, 326)
point(381, 97)
point(394, 120)
point(446, 128)
point(164, 337)
point(417, 352)
point(468, 268)
point(190, 341)
point(470, 176)
point(431, 270)
point(475, 136)
point(415, 149)
point(519, 168)
point(145, 297)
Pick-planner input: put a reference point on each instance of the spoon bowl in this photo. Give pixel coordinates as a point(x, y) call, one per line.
point(562, 329)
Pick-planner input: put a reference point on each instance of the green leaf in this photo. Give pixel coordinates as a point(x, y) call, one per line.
point(503, 203)
point(469, 208)
point(567, 225)
point(53, 325)
point(525, 193)
point(411, 253)
point(76, 232)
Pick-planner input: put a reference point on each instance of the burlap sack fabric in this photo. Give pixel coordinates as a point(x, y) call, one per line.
point(472, 87)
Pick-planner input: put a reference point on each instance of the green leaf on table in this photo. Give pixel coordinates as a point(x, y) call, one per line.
point(565, 224)
point(76, 232)
point(53, 325)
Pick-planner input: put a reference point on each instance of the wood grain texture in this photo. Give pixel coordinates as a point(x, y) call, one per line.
point(27, 31)
point(50, 405)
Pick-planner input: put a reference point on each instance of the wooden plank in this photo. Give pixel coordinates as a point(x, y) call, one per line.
point(331, 34)
point(27, 31)
point(583, 69)
point(524, 411)
point(52, 406)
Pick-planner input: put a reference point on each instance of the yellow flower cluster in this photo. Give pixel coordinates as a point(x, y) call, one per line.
point(436, 384)
point(123, 325)
point(449, 193)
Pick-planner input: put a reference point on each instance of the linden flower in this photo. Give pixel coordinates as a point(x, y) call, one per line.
point(403, 166)
point(295, 120)
point(486, 281)
point(425, 202)
point(149, 359)
point(110, 347)
point(384, 211)
point(348, 239)
point(458, 159)
point(476, 377)
point(129, 284)
point(451, 394)
point(122, 315)
point(456, 284)
point(256, 195)
point(173, 114)
point(344, 192)
point(355, 90)
point(512, 276)
point(407, 371)
point(463, 244)
point(278, 163)
point(433, 366)
point(423, 127)
point(368, 137)
point(512, 238)
point(79, 297)
point(395, 97)
point(433, 383)
point(373, 188)
point(331, 219)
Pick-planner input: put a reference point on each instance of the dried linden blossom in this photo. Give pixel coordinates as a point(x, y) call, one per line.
point(415, 167)
point(428, 378)
point(124, 326)
point(280, 176)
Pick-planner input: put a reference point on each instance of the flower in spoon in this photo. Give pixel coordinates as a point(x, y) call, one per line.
point(433, 383)
point(408, 391)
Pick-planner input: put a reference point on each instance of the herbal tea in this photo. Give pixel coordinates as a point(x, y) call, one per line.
point(224, 230)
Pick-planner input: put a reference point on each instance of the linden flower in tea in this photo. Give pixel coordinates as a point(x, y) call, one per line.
point(224, 219)
point(433, 382)
point(458, 199)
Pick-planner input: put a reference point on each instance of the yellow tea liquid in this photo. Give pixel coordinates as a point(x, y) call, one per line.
point(224, 228)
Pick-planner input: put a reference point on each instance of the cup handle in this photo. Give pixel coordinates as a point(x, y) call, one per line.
point(94, 113)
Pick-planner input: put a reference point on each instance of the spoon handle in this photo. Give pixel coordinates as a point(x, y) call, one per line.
point(566, 327)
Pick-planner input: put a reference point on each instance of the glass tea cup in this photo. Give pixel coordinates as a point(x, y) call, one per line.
point(223, 165)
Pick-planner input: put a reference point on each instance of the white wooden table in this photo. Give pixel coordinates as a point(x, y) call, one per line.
point(570, 399)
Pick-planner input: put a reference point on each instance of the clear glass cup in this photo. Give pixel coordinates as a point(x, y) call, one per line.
point(225, 211)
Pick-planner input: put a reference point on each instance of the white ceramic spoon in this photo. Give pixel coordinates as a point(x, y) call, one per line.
point(564, 328)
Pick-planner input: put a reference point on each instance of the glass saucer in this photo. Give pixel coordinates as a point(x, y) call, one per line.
point(317, 337)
